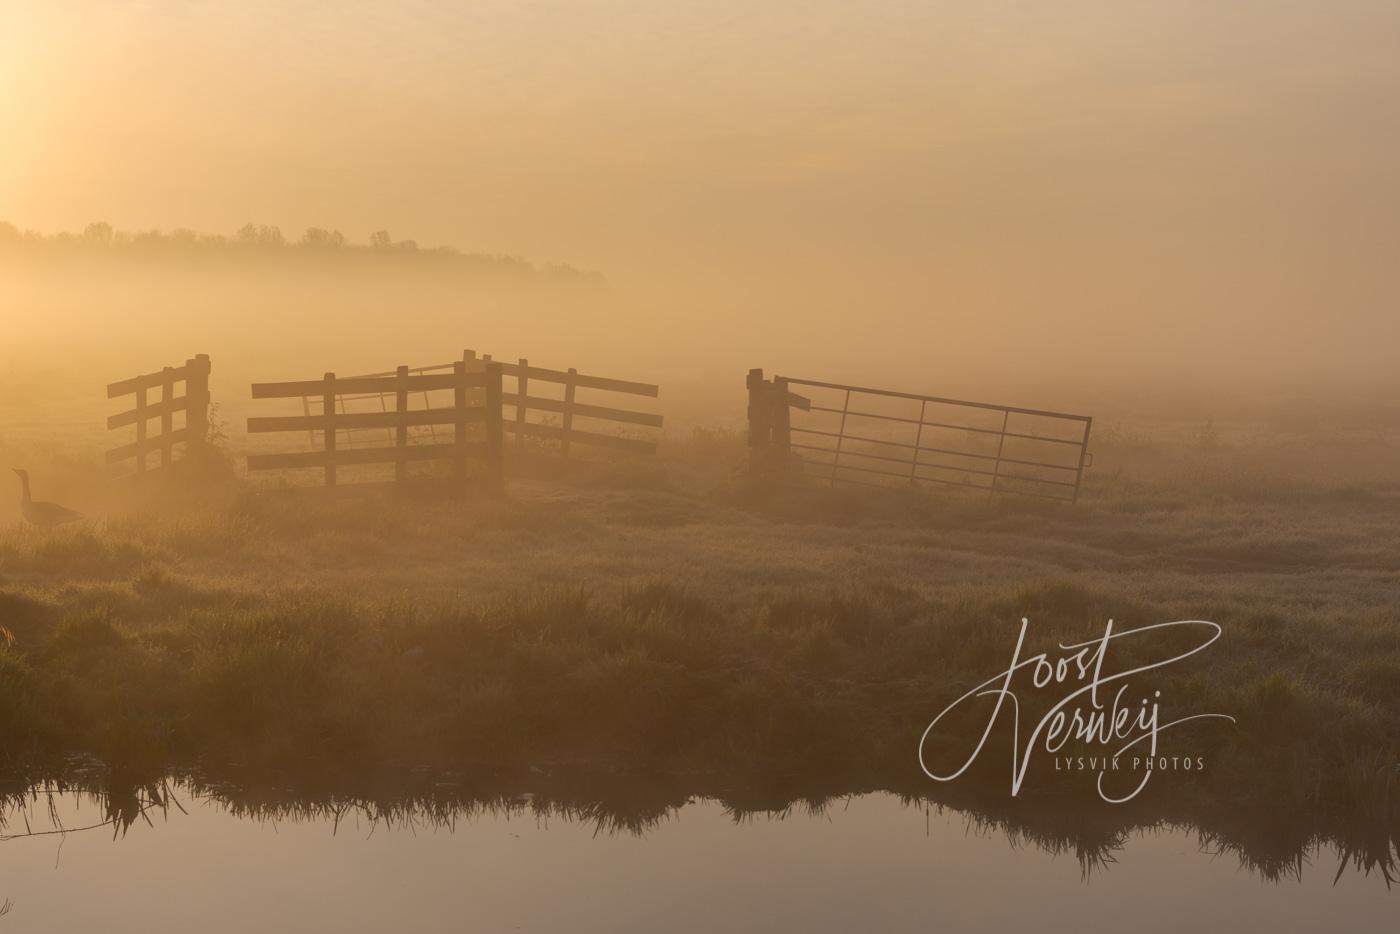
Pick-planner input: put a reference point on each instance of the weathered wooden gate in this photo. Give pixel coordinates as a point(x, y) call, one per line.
point(476, 401)
point(523, 396)
point(192, 406)
point(879, 437)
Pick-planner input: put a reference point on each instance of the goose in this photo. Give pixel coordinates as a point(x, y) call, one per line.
point(43, 515)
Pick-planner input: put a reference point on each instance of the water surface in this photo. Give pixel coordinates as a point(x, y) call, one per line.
point(865, 863)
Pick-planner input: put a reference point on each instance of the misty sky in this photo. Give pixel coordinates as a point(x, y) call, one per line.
point(1202, 176)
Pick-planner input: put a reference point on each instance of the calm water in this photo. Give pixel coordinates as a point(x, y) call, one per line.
point(870, 863)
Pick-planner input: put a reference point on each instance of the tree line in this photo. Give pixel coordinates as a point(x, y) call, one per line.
point(268, 241)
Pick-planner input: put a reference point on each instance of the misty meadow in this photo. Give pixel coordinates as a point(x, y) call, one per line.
point(615, 466)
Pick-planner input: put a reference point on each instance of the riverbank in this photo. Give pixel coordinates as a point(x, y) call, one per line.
point(696, 630)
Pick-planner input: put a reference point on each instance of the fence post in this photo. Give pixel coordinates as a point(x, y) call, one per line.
point(401, 424)
point(495, 427)
point(167, 418)
point(196, 402)
point(328, 408)
point(521, 394)
point(758, 422)
point(568, 410)
point(141, 429)
point(459, 414)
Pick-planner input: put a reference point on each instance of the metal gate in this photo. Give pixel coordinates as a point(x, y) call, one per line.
point(854, 434)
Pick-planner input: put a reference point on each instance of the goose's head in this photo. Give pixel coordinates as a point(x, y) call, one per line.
point(23, 474)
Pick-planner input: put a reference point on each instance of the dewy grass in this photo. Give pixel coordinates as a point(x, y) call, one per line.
point(694, 628)
point(648, 677)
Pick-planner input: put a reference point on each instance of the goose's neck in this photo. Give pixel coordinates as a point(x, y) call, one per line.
point(24, 489)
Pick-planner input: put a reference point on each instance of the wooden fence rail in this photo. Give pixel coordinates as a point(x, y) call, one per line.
point(879, 437)
point(476, 401)
point(359, 390)
point(568, 408)
point(194, 405)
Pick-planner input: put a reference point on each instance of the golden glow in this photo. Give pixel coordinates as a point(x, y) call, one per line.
point(855, 188)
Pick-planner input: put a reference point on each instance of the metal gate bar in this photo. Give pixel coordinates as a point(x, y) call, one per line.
point(1062, 481)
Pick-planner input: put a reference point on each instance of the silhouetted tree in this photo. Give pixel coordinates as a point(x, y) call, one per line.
point(269, 242)
point(255, 235)
point(99, 232)
point(320, 237)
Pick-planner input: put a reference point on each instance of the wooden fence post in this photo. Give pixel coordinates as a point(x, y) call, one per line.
point(480, 394)
point(758, 422)
point(141, 429)
point(167, 417)
point(328, 408)
point(522, 378)
point(495, 427)
point(401, 425)
point(569, 387)
point(459, 414)
point(476, 364)
point(196, 402)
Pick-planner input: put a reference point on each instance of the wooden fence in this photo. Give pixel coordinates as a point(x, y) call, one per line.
point(476, 401)
point(193, 406)
point(517, 395)
point(877, 437)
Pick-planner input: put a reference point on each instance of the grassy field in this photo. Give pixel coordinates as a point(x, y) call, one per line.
point(668, 619)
